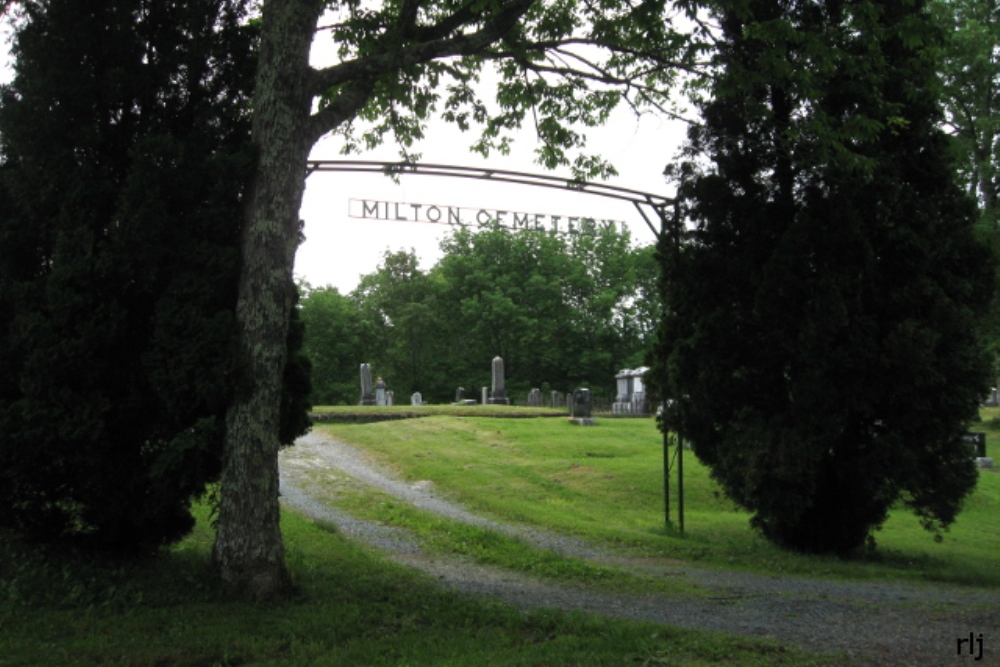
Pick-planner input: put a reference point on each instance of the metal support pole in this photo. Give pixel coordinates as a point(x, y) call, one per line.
point(666, 478)
point(680, 484)
point(676, 230)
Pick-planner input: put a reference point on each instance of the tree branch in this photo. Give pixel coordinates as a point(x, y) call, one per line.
point(352, 98)
point(408, 16)
point(442, 28)
point(695, 67)
point(380, 63)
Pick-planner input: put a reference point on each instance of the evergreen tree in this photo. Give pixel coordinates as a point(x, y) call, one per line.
point(124, 141)
point(820, 346)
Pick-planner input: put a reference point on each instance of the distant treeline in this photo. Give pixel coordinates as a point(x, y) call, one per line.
point(562, 312)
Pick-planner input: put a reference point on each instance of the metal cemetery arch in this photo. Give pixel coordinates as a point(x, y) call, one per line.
point(658, 203)
point(639, 199)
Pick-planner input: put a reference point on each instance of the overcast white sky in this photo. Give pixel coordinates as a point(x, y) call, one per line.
point(339, 249)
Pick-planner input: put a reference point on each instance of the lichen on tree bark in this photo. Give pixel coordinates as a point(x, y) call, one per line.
point(249, 552)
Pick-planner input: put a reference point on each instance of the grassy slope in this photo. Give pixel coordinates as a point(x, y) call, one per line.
point(606, 483)
point(356, 609)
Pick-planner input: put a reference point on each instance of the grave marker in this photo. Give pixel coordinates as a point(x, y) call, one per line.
point(367, 395)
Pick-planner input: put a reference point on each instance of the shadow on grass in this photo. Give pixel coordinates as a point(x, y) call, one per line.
point(352, 608)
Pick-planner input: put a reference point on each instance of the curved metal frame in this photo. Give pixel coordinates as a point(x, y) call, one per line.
point(658, 203)
point(638, 198)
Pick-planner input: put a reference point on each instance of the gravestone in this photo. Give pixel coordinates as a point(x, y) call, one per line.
point(581, 403)
point(535, 398)
point(499, 393)
point(580, 408)
point(993, 400)
point(460, 395)
point(380, 394)
point(640, 406)
point(556, 400)
point(390, 397)
point(416, 398)
point(485, 395)
point(367, 395)
point(623, 391)
point(631, 397)
point(976, 440)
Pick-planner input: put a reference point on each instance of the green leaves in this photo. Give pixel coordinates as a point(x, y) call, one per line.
point(560, 64)
point(970, 74)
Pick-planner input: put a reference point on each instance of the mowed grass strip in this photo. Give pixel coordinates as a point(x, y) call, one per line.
point(353, 608)
point(369, 413)
point(605, 483)
point(483, 545)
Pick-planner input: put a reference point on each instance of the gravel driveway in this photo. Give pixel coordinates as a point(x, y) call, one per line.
point(875, 624)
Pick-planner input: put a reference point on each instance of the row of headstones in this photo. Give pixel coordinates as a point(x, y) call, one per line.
point(556, 398)
point(496, 395)
point(378, 394)
point(374, 394)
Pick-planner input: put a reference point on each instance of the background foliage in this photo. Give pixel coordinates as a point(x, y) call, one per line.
point(561, 312)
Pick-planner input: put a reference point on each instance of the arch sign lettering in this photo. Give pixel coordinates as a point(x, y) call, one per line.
point(465, 216)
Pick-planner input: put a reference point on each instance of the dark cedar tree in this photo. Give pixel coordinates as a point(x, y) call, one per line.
point(124, 149)
point(820, 345)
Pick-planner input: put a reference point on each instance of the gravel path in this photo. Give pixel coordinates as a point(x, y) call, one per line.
point(875, 624)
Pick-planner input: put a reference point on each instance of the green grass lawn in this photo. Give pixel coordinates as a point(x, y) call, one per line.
point(353, 609)
point(605, 483)
point(370, 413)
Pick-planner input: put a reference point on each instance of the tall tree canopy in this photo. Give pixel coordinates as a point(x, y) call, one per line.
point(406, 334)
point(124, 151)
point(561, 312)
point(821, 347)
point(557, 310)
point(970, 72)
point(335, 342)
point(401, 61)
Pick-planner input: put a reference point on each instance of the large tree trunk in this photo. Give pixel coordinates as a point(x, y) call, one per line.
point(249, 552)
